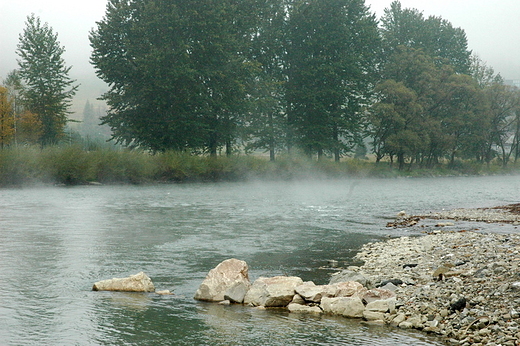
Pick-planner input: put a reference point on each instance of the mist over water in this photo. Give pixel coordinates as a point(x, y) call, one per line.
point(56, 242)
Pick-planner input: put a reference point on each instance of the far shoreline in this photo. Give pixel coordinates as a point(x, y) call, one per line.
point(74, 165)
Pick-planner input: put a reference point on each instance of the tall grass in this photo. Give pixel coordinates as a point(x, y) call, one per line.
point(74, 164)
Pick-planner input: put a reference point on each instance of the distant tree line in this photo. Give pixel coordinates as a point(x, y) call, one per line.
point(323, 77)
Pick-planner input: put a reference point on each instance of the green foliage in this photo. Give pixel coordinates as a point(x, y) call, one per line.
point(178, 70)
point(435, 36)
point(72, 165)
point(48, 89)
point(286, 76)
point(69, 165)
point(20, 166)
point(331, 57)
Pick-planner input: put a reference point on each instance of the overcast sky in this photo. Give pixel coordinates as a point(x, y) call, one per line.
point(492, 28)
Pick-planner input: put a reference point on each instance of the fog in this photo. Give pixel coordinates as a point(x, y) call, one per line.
point(492, 28)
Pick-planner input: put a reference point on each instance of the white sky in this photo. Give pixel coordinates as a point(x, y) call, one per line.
point(492, 28)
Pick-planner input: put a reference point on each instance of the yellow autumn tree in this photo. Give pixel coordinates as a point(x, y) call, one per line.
point(6, 119)
point(29, 128)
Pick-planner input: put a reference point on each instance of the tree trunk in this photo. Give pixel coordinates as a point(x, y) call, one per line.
point(212, 145)
point(400, 160)
point(320, 154)
point(228, 148)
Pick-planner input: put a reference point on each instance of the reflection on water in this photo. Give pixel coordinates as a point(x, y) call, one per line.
point(237, 325)
point(56, 242)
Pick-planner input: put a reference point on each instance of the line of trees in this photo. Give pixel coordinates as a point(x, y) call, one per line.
point(320, 76)
point(316, 75)
point(436, 101)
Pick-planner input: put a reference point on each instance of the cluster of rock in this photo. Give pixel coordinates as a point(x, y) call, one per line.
point(229, 283)
point(139, 282)
point(464, 286)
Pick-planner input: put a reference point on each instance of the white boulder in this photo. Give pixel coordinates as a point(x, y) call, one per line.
point(378, 294)
point(227, 281)
point(277, 291)
point(298, 308)
point(351, 307)
point(313, 293)
point(349, 289)
point(139, 282)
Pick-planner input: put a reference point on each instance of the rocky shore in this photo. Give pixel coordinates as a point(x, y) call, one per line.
point(464, 286)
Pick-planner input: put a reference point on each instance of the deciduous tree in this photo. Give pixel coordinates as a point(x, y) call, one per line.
point(178, 70)
point(332, 50)
point(6, 118)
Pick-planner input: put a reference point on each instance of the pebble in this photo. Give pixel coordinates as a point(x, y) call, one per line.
point(475, 300)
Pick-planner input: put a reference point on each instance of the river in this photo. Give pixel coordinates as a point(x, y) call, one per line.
point(55, 242)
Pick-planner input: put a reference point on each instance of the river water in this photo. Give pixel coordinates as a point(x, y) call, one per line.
point(55, 242)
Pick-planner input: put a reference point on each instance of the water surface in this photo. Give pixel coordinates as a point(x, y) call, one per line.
point(56, 242)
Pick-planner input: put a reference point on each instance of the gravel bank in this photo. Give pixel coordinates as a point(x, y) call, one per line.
point(504, 214)
point(461, 285)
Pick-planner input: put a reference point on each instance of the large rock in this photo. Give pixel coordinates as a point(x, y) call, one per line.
point(275, 291)
point(373, 315)
point(228, 280)
point(381, 305)
point(344, 306)
point(298, 308)
point(349, 289)
point(350, 275)
point(237, 292)
point(139, 282)
point(378, 294)
point(313, 293)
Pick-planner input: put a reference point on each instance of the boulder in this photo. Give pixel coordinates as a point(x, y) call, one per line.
point(398, 319)
point(349, 289)
point(277, 291)
point(373, 315)
point(349, 275)
point(378, 294)
point(139, 282)
point(299, 308)
point(313, 293)
point(381, 305)
point(228, 279)
point(344, 306)
point(237, 292)
point(297, 299)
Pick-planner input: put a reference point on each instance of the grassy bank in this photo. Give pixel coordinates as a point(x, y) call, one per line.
point(73, 165)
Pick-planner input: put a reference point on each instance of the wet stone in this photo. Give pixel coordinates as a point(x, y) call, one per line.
point(475, 299)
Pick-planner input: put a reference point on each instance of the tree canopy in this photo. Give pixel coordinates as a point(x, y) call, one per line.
point(319, 76)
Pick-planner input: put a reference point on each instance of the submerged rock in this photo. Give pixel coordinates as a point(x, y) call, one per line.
point(300, 308)
point(139, 282)
point(227, 281)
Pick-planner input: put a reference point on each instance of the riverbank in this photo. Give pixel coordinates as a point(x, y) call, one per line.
point(77, 165)
point(461, 285)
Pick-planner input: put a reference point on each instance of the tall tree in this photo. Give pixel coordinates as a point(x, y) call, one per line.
point(48, 88)
point(435, 36)
point(265, 127)
point(178, 70)
point(332, 52)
